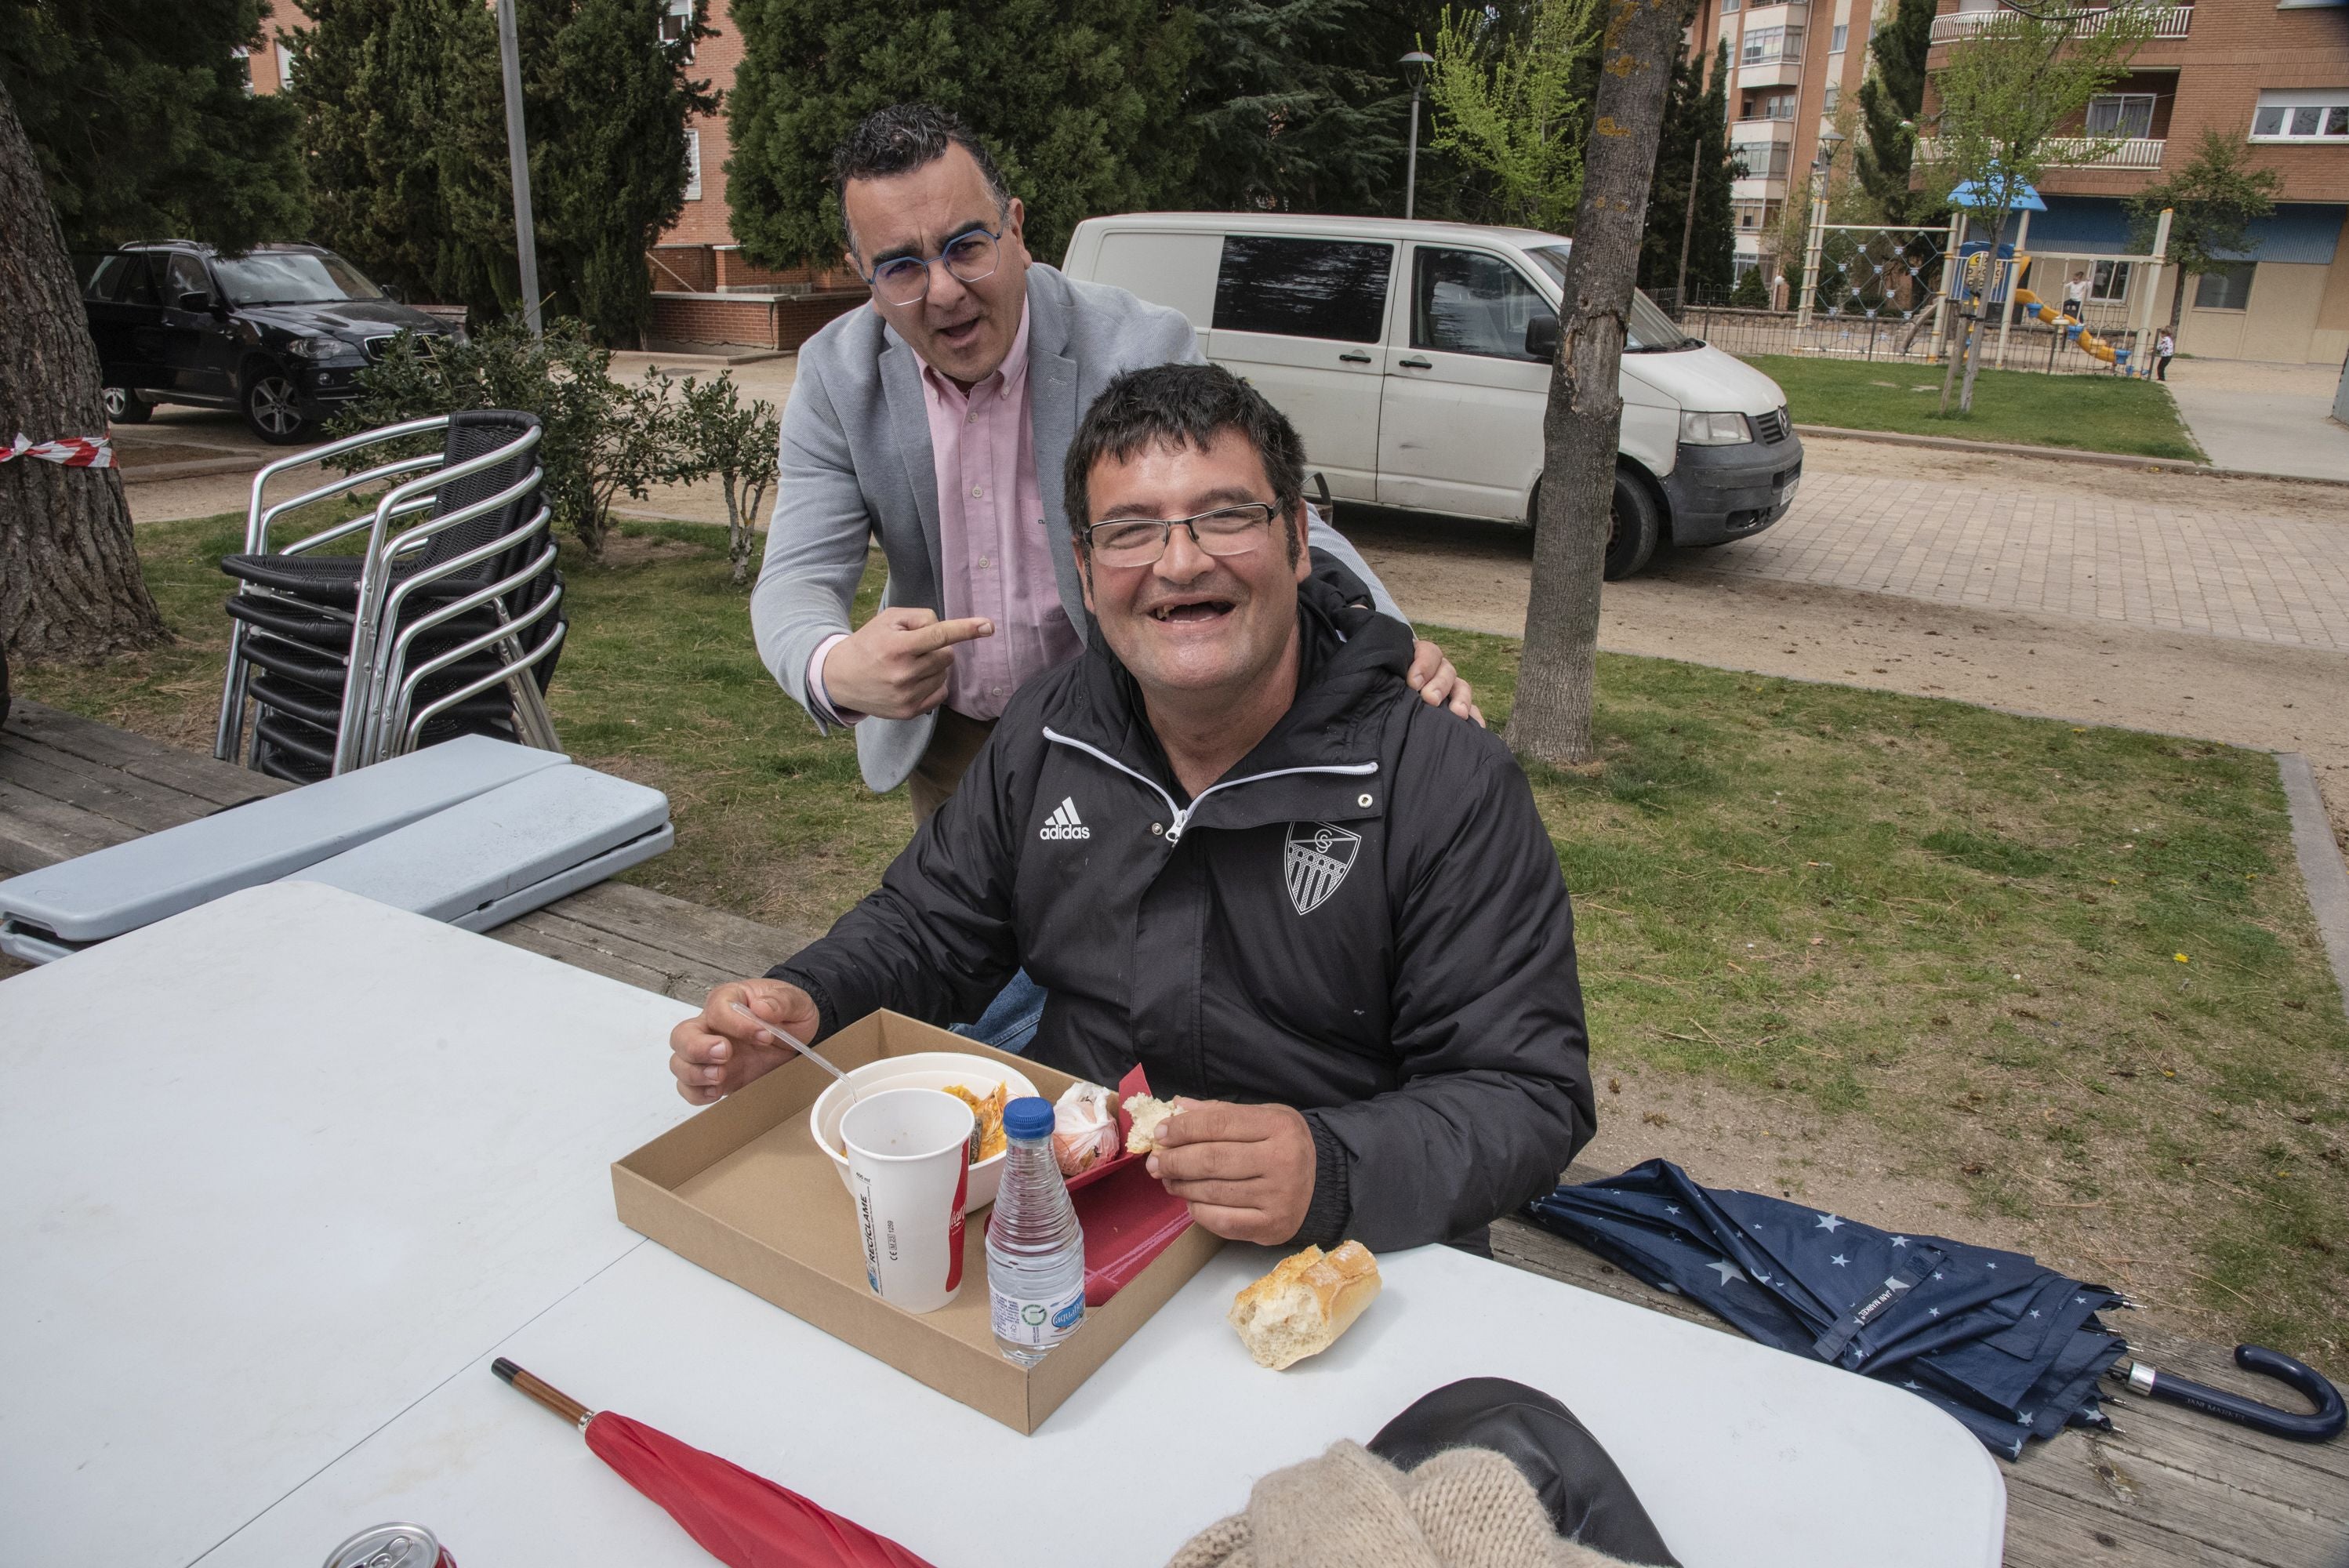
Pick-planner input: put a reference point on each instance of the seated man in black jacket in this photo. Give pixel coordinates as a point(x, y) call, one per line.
point(1233, 845)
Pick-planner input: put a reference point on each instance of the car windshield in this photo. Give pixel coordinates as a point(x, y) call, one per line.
point(1648, 331)
point(292, 277)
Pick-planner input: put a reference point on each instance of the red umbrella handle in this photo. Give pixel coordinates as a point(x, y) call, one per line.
point(546, 1393)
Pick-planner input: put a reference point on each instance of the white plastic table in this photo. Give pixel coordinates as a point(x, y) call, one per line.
point(251, 1275)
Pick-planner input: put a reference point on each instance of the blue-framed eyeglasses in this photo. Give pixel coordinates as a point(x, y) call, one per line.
point(969, 256)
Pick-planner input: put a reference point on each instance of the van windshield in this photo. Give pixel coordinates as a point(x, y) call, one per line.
point(1648, 330)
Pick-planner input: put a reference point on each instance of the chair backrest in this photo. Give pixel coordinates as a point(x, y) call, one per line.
point(471, 434)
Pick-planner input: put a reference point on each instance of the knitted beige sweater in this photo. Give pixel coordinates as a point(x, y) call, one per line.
point(1469, 1508)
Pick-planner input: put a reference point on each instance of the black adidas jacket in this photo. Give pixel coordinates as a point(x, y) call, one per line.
point(1364, 919)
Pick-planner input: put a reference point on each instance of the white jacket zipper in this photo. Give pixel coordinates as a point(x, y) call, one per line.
point(1182, 814)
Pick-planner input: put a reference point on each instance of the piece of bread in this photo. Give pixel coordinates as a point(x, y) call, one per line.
point(1304, 1302)
point(1147, 1113)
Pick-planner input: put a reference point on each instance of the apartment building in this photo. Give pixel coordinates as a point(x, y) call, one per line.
point(2273, 76)
point(704, 290)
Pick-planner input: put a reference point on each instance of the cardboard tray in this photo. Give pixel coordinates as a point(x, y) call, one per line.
point(743, 1191)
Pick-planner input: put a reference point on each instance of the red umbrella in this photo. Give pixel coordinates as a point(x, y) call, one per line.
point(738, 1518)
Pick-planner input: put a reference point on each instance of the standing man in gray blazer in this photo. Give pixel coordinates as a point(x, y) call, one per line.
point(937, 421)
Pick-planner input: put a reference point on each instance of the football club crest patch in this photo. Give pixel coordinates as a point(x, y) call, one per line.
point(1316, 860)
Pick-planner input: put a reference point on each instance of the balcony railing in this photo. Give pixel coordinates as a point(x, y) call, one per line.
point(2076, 152)
point(2168, 22)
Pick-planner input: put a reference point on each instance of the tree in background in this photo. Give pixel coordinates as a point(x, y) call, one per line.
point(1892, 96)
point(403, 117)
point(119, 122)
point(2006, 93)
point(1080, 104)
point(1582, 427)
point(405, 111)
point(1513, 104)
point(2212, 203)
point(1296, 106)
point(143, 124)
point(1688, 244)
point(607, 103)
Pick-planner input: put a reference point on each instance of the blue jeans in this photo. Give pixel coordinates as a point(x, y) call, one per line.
point(1010, 1020)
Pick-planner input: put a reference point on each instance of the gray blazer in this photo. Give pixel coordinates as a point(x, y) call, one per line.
point(855, 464)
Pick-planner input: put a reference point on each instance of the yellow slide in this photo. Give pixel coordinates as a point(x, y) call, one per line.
point(2094, 348)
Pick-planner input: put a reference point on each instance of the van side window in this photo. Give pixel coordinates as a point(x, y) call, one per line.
point(1335, 289)
point(1467, 301)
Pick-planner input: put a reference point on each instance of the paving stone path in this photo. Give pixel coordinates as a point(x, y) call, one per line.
point(2186, 566)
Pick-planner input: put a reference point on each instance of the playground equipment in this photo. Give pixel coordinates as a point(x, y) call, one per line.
point(2089, 343)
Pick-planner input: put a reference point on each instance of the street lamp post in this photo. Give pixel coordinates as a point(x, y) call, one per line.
point(517, 158)
point(1414, 71)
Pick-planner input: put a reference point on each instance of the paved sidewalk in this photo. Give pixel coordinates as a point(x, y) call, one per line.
point(2263, 418)
point(2065, 552)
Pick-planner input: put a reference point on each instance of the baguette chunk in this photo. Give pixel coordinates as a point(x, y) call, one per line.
point(1304, 1302)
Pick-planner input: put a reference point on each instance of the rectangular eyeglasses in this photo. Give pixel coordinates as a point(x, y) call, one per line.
point(1140, 541)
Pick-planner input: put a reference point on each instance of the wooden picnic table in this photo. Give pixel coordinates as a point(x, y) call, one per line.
point(2167, 1487)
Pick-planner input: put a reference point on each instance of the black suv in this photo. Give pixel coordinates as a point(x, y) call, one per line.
point(280, 333)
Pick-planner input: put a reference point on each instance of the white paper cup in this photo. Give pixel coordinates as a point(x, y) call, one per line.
point(908, 1169)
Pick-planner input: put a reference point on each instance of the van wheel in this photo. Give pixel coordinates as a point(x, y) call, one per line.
point(1636, 526)
point(124, 406)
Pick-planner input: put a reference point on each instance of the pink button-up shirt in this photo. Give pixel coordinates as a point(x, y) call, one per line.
point(994, 544)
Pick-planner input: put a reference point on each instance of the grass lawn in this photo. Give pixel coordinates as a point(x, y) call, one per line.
point(2070, 970)
point(2088, 413)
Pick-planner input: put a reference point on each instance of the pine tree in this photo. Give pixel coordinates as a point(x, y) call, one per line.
point(1894, 92)
point(1299, 104)
point(403, 118)
point(1694, 145)
point(1079, 101)
point(143, 123)
point(607, 103)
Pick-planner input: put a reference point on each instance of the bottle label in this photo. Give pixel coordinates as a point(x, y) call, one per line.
point(1038, 1323)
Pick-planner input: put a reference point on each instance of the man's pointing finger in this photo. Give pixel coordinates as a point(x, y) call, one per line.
point(946, 634)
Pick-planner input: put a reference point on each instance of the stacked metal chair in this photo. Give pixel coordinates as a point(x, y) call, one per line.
point(445, 626)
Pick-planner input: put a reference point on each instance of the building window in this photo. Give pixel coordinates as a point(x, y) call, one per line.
point(677, 24)
point(1837, 40)
point(2120, 114)
point(2110, 281)
point(1766, 45)
point(693, 166)
point(243, 57)
point(2303, 115)
point(1728, 5)
point(1749, 214)
point(284, 67)
point(1768, 106)
point(1761, 159)
point(1833, 97)
point(2227, 288)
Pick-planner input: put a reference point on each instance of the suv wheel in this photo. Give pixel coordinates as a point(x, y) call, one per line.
point(124, 406)
point(273, 407)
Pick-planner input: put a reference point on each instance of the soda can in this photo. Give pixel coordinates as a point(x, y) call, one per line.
point(392, 1546)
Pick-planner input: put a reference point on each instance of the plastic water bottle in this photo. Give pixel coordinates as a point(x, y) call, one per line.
point(1035, 1248)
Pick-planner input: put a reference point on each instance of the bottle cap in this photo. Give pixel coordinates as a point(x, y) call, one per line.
point(1030, 1116)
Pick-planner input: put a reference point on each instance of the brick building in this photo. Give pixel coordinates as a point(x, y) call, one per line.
point(704, 291)
point(2274, 75)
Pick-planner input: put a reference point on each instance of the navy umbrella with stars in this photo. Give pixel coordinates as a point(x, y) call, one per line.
point(2010, 1349)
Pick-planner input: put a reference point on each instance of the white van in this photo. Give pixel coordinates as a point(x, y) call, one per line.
point(1414, 359)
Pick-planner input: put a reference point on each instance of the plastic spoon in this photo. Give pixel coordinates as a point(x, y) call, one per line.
point(800, 1046)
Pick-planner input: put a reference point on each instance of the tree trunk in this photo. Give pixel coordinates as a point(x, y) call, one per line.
point(1981, 333)
point(69, 581)
point(1583, 422)
point(2177, 298)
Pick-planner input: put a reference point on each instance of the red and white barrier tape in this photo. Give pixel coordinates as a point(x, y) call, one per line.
point(74, 451)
